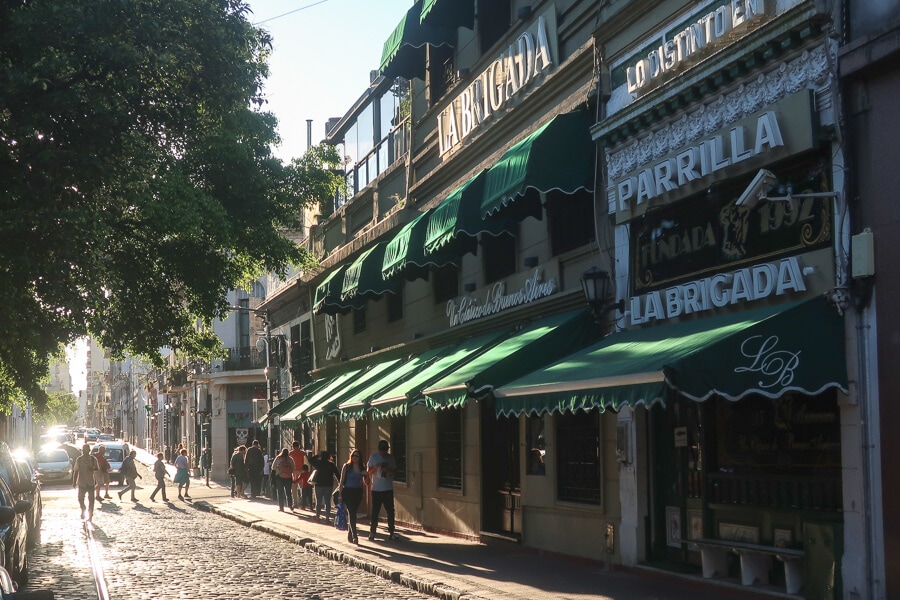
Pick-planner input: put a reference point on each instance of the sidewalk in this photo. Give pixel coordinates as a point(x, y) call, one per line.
point(455, 569)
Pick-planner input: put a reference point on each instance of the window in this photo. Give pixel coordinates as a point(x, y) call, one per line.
point(398, 446)
point(578, 457)
point(359, 320)
point(494, 18)
point(301, 354)
point(570, 219)
point(441, 71)
point(446, 283)
point(395, 306)
point(331, 435)
point(449, 448)
point(498, 254)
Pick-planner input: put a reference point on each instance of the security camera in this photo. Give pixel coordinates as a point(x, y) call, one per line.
point(757, 189)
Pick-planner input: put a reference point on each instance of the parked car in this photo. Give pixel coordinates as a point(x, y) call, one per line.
point(54, 465)
point(14, 532)
point(115, 453)
point(18, 474)
point(106, 437)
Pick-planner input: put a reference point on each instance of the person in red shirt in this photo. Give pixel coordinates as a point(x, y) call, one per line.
point(101, 476)
point(299, 458)
point(305, 488)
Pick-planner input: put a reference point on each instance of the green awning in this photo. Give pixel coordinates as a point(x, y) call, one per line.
point(405, 254)
point(294, 400)
point(394, 400)
point(363, 279)
point(449, 13)
point(534, 346)
point(456, 222)
point(333, 386)
point(404, 51)
point(558, 156)
point(355, 406)
point(328, 293)
point(317, 413)
point(768, 351)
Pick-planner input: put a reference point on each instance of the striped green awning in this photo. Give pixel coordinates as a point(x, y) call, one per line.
point(333, 386)
point(537, 344)
point(403, 54)
point(767, 351)
point(405, 254)
point(457, 221)
point(317, 413)
point(558, 156)
point(328, 293)
point(363, 279)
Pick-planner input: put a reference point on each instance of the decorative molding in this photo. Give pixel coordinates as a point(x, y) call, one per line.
point(811, 69)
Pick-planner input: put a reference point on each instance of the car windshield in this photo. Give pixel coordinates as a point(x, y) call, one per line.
point(113, 454)
point(48, 456)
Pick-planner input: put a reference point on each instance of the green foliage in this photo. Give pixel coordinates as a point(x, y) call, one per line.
point(60, 408)
point(138, 184)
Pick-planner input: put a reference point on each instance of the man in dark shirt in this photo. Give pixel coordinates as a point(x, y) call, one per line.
point(255, 462)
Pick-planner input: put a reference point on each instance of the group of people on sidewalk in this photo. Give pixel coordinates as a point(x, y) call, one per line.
point(294, 476)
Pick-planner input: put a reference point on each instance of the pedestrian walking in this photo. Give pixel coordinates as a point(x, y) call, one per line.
point(159, 470)
point(83, 478)
point(255, 462)
point(306, 488)
point(131, 475)
point(353, 477)
point(101, 476)
point(382, 467)
point(282, 477)
point(299, 458)
point(182, 476)
point(327, 476)
point(240, 471)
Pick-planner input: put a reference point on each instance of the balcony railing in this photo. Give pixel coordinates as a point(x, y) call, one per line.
point(388, 151)
point(244, 359)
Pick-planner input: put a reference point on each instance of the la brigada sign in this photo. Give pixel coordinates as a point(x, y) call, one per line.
point(718, 291)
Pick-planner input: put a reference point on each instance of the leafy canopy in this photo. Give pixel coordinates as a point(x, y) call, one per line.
point(138, 184)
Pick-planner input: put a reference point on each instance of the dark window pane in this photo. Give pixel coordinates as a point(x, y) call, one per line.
point(394, 306)
point(359, 320)
point(578, 458)
point(570, 218)
point(494, 18)
point(449, 446)
point(498, 254)
point(446, 283)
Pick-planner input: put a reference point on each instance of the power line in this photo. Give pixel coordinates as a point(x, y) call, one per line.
point(290, 12)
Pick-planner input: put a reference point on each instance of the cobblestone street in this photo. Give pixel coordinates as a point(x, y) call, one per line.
point(155, 550)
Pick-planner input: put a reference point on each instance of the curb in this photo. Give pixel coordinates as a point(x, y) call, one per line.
point(413, 582)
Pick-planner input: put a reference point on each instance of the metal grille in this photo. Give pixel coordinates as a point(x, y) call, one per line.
point(449, 423)
point(578, 459)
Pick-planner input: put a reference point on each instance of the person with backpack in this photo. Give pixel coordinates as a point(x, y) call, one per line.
point(83, 478)
point(129, 471)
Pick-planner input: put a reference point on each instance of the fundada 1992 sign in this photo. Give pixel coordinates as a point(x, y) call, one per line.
point(705, 234)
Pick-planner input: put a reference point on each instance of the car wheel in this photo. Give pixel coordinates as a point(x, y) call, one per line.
point(21, 577)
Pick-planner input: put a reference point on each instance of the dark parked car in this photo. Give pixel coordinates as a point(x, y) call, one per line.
point(27, 473)
point(14, 533)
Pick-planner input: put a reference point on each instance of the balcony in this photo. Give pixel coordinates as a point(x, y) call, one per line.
point(243, 359)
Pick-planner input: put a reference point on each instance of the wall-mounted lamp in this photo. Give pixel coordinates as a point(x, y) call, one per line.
point(596, 284)
point(764, 182)
point(531, 261)
point(524, 13)
point(469, 287)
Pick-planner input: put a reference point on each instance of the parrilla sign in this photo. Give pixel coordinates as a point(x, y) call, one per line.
point(527, 58)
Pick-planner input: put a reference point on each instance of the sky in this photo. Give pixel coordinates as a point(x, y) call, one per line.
point(323, 53)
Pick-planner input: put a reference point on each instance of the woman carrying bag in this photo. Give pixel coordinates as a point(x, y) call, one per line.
point(282, 478)
point(353, 477)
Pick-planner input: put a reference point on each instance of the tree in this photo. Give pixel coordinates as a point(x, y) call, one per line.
point(138, 184)
point(61, 408)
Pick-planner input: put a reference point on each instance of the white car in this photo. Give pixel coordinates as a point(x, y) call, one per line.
point(54, 465)
point(115, 453)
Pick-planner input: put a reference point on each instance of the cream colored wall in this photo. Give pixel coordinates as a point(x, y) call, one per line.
point(567, 527)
